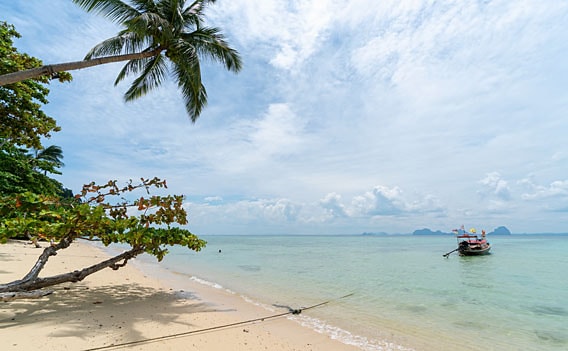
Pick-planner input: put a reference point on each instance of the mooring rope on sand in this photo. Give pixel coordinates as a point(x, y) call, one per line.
point(177, 335)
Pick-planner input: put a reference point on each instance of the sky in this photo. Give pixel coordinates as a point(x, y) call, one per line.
point(348, 116)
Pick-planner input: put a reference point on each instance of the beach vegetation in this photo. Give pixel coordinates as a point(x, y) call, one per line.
point(37, 207)
point(148, 224)
point(24, 162)
point(21, 172)
point(22, 121)
point(159, 38)
point(48, 159)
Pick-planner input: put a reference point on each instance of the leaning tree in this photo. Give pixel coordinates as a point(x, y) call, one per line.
point(159, 37)
point(148, 224)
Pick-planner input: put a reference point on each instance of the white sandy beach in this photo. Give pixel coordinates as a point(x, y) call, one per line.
point(127, 306)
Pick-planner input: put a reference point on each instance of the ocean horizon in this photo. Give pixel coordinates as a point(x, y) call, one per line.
point(405, 295)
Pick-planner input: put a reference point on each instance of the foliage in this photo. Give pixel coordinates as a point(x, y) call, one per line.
point(166, 26)
point(160, 38)
point(21, 172)
point(146, 224)
point(157, 33)
point(22, 122)
point(48, 159)
point(92, 214)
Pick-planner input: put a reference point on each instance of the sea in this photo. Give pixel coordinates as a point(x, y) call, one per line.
point(397, 292)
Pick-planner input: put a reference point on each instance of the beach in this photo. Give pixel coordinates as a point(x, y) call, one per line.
point(129, 308)
point(385, 294)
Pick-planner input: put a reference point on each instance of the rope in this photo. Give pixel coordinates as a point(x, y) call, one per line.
point(171, 336)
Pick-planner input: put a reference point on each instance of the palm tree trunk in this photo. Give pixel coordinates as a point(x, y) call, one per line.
point(50, 70)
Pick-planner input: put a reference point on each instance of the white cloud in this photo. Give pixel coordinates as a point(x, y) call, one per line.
point(385, 201)
point(495, 186)
point(280, 214)
point(253, 212)
point(213, 199)
point(289, 32)
point(380, 201)
point(556, 189)
point(332, 204)
point(336, 101)
point(279, 132)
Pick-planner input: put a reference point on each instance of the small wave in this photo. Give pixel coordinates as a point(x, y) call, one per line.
point(334, 332)
point(346, 337)
point(256, 303)
point(317, 325)
point(210, 284)
point(305, 321)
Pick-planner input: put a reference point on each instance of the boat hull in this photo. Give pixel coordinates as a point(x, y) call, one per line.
point(466, 250)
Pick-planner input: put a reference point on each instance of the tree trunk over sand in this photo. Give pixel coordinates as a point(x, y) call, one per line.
point(28, 286)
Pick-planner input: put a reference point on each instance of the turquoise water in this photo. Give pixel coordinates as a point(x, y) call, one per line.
point(406, 295)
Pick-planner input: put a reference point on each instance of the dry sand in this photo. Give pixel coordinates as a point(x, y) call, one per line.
point(116, 307)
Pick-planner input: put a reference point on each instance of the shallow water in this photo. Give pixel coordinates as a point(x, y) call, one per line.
point(406, 295)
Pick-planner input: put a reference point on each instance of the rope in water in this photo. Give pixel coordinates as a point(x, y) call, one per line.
point(171, 336)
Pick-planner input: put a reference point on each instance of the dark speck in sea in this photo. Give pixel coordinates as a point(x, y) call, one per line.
point(549, 310)
point(551, 337)
point(249, 268)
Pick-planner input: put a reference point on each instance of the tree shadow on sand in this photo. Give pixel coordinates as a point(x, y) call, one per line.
point(108, 313)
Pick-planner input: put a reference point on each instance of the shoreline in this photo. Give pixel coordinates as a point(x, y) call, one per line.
point(130, 305)
point(201, 285)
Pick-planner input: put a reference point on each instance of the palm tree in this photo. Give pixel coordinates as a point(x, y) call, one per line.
point(159, 37)
point(51, 154)
point(46, 159)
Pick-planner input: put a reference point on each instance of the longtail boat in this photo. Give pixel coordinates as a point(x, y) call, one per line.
point(469, 244)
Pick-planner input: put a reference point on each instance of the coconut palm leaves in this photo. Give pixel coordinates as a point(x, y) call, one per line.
point(24, 170)
point(172, 38)
point(53, 155)
point(160, 39)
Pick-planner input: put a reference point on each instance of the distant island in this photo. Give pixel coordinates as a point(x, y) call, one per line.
point(427, 231)
point(497, 231)
point(500, 231)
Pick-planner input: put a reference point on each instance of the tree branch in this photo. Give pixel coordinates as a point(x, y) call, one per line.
point(75, 276)
point(42, 259)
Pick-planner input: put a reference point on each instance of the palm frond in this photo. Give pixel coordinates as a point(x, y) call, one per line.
point(188, 74)
point(132, 67)
point(144, 5)
point(194, 9)
point(181, 49)
point(155, 70)
point(151, 25)
point(125, 42)
point(210, 43)
point(116, 10)
point(172, 10)
point(137, 43)
point(193, 14)
point(53, 154)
